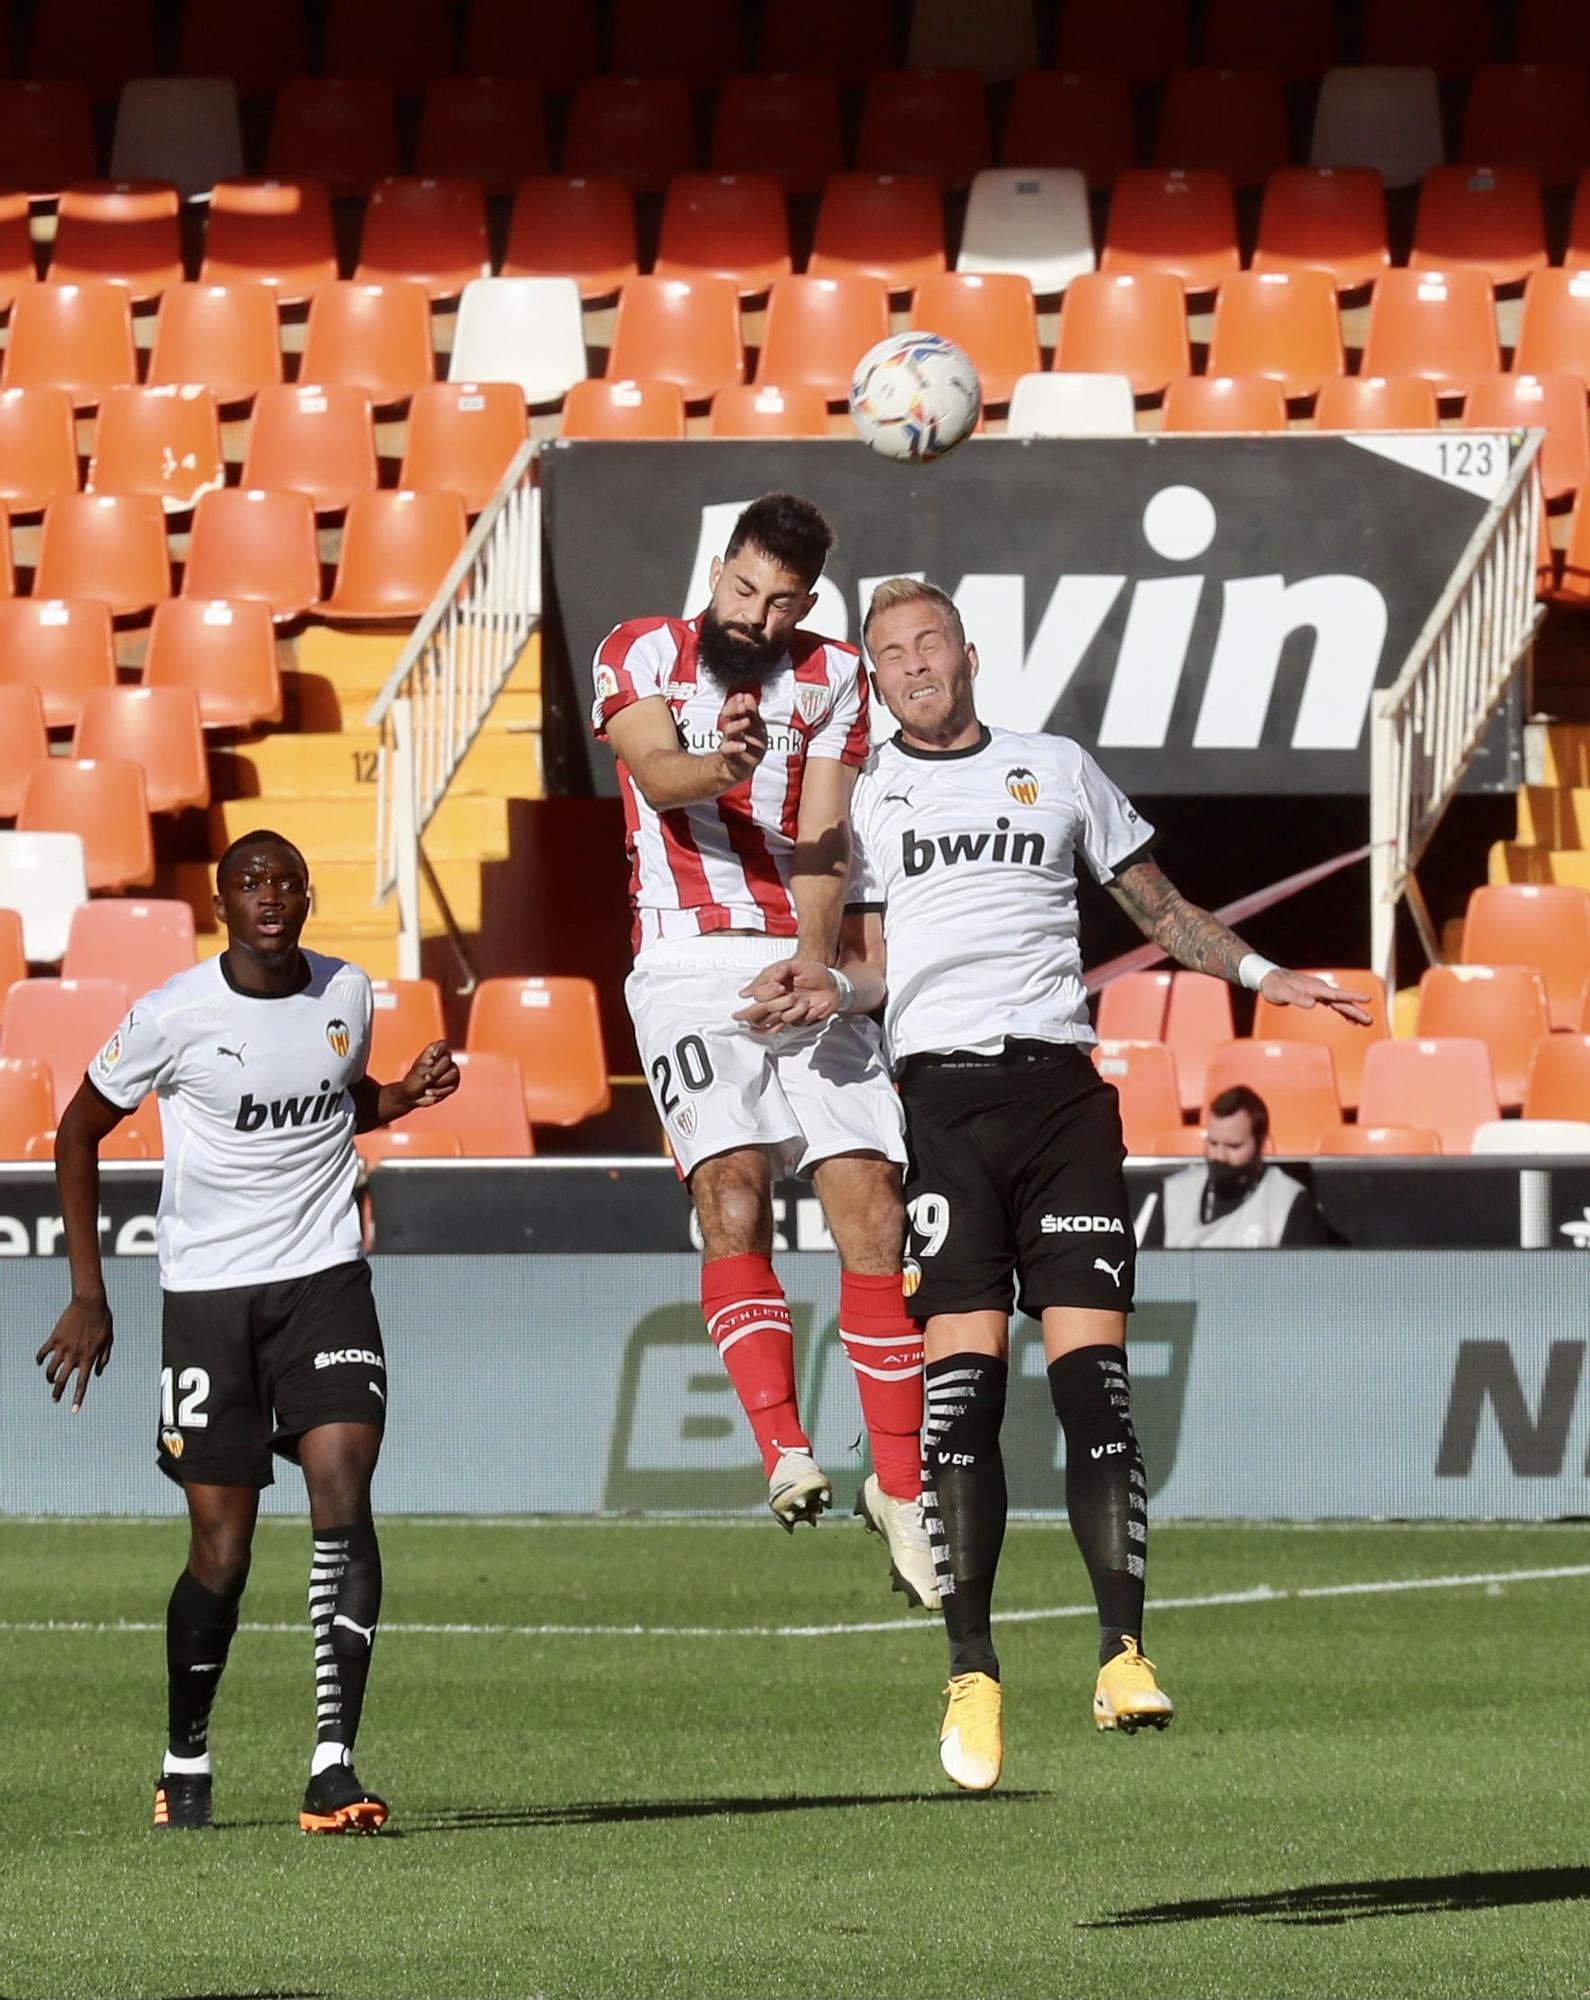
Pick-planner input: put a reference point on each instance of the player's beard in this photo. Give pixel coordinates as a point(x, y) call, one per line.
point(733, 662)
point(959, 714)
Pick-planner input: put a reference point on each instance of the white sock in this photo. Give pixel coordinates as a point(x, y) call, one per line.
point(186, 1767)
point(327, 1754)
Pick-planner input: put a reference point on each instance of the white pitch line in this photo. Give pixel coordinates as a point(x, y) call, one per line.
point(1260, 1594)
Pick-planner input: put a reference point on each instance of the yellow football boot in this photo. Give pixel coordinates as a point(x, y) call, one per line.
point(1127, 1696)
point(972, 1741)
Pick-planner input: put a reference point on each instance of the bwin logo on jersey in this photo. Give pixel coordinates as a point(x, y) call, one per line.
point(950, 849)
point(1022, 785)
point(281, 1112)
point(339, 1036)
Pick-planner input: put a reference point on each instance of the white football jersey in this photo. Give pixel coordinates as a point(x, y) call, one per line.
point(256, 1116)
point(972, 856)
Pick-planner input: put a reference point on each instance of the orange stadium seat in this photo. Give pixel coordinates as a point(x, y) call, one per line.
point(397, 1142)
point(1452, 36)
point(62, 1024)
point(375, 337)
point(106, 545)
point(1574, 587)
point(156, 727)
point(755, 409)
point(785, 125)
point(1576, 255)
point(554, 1029)
point(1144, 1078)
point(461, 438)
point(27, 1104)
point(46, 136)
point(1503, 1006)
point(165, 442)
point(1375, 1141)
point(818, 329)
point(1224, 403)
point(1530, 115)
point(991, 316)
point(725, 225)
point(1553, 402)
point(1132, 324)
point(550, 40)
point(65, 650)
point(624, 409)
point(1296, 42)
point(637, 128)
point(250, 544)
point(886, 226)
point(428, 230)
point(1168, 220)
point(1438, 324)
point(396, 550)
point(17, 268)
point(700, 42)
point(1132, 1008)
point(1297, 1080)
point(1554, 335)
point(1558, 1085)
point(225, 652)
point(1377, 403)
point(579, 226)
point(224, 338)
point(1233, 120)
point(143, 944)
point(1552, 31)
point(1486, 219)
point(1181, 1142)
point(924, 121)
point(341, 131)
point(13, 954)
point(313, 439)
point(274, 232)
point(1143, 43)
point(486, 1113)
point(490, 129)
point(1197, 1021)
point(1324, 218)
point(1281, 324)
point(1445, 1086)
point(38, 448)
point(1060, 118)
point(120, 232)
point(8, 580)
point(97, 43)
point(682, 330)
point(73, 337)
point(1543, 924)
point(403, 43)
point(1346, 1041)
point(23, 741)
point(406, 1017)
point(103, 802)
point(259, 46)
point(848, 40)
point(124, 1142)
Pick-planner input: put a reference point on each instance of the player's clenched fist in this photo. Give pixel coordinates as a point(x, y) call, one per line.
point(432, 1075)
point(742, 736)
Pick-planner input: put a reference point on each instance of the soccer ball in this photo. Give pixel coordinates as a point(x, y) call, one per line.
point(914, 395)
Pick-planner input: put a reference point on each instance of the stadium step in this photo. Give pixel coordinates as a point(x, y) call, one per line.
point(343, 828)
point(1553, 816)
point(363, 662)
point(1557, 753)
point(312, 702)
point(310, 765)
point(1507, 861)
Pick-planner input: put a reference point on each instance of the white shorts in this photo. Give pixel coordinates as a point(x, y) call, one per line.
point(718, 1087)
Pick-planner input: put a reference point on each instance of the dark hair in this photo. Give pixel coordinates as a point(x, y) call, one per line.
point(247, 842)
point(789, 529)
point(1240, 1098)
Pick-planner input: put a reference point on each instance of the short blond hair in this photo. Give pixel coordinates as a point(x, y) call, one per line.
point(898, 590)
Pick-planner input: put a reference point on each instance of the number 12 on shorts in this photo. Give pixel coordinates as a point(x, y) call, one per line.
point(193, 1386)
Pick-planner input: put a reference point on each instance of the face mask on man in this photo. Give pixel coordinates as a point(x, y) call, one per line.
point(1228, 1182)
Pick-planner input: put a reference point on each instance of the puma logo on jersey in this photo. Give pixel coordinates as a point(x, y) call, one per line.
point(950, 850)
point(281, 1112)
point(899, 798)
point(236, 1054)
point(1113, 1270)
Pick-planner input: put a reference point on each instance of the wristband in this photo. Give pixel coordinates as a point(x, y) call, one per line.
point(1251, 971)
point(846, 989)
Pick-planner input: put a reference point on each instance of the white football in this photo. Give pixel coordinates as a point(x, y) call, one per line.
point(915, 396)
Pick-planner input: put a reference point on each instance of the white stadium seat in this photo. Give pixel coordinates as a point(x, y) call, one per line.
point(1388, 119)
point(1521, 1138)
point(42, 877)
point(1030, 220)
point(524, 330)
point(1070, 405)
point(182, 129)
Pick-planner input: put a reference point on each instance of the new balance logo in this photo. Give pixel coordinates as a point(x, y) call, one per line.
point(1077, 1225)
point(281, 1112)
point(950, 850)
point(1112, 1270)
point(336, 1357)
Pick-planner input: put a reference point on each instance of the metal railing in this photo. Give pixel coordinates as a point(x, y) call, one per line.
point(438, 695)
point(1427, 726)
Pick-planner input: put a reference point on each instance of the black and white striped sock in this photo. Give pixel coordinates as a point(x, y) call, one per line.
point(344, 1610)
point(1106, 1489)
point(964, 1499)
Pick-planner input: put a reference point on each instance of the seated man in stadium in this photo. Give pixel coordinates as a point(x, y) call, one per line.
point(1235, 1200)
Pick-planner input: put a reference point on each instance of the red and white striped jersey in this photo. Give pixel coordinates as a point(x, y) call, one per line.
point(725, 865)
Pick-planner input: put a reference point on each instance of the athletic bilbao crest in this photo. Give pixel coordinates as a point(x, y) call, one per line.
point(812, 702)
point(1022, 786)
point(338, 1035)
point(685, 1119)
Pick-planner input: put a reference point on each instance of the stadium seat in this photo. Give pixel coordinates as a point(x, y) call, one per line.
point(1143, 43)
point(1144, 1078)
point(17, 269)
point(155, 727)
point(1377, 403)
point(528, 331)
point(165, 442)
point(786, 125)
point(1552, 31)
point(1531, 1138)
point(1218, 403)
point(1324, 218)
point(124, 1142)
point(991, 317)
point(573, 226)
point(1181, 1142)
point(624, 409)
point(1296, 42)
point(1378, 1141)
point(1553, 402)
point(249, 544)
point(884, 226)
point(997, 38)
point(1233, 120)
point(120, 233)
point(1438, 324)
point(315, 439)
point(546, 39)
point(490, 129)
point(23, 741)
point(66, 650)
point(397, 1142)
point(1281, 324)
point(46, 136)
point(1546, 925)
point(1558, 1084)
point(818, 329)
point(27, 1104)
point(1346, 1041)
point(700, 42)
point(727, 226)
point(62, 1024)
point(396, 550)
point(403, 43)
point(1060, 118)
point(1487, 219)
point(224, 338)
point(1297, 1081)
point(97, 43)
point(38, 448)
point(848, 40)
point(429, 231)
point(106, 545)
point(406, 1017)
point(225, 652)
point(1554, 335)
point(1030, 221)
point(1454, 36)
point(103, 802)
point(73, 337)
point(924, 121)
point(486, 1113)
point(42, 878)
point(1071, 405)
point(754, 409)
point(13, 956)
point(185, 129)
point(554, 1029)
point(1446, 1086)
point(639, 128)
point(143, 944)
point(1530, 116)
point(462, 437)
point(1180, 223)
point(1134, 324)
point(372, 337)
point(683, 330)
point(274, 232)
point(1574, 587)
point(1132, 1008)
point(259, 46)
point(1503, 1006)
point(341, 131)
point(1385, 118)
point(1197, 1021)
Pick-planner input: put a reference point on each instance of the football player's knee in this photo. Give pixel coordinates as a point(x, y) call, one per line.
point(965, 1409)
point(866, 1215)
point(219, 1558)
point(733, 1203)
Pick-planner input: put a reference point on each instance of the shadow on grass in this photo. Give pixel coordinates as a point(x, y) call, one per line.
point(611, 1812)
point(1318, 1903)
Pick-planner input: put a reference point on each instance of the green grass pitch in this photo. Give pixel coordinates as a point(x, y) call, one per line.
point(1365, 1793)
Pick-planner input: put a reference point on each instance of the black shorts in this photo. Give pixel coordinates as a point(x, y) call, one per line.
point(246, 1370)
point(1015, 1167)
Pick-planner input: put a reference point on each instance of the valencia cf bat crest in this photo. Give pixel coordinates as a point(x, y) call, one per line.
point(1022, 785)
point(337, 1033)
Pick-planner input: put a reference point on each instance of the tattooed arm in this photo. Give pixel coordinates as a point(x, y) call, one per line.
point(1192, 937)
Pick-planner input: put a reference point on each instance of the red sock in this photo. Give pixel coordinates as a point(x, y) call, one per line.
point(748, 1320)
point(884, 1346)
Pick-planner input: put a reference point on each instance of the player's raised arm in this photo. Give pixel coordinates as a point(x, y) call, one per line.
point(644, 735)
point(821, 867)
point(81, 1342)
